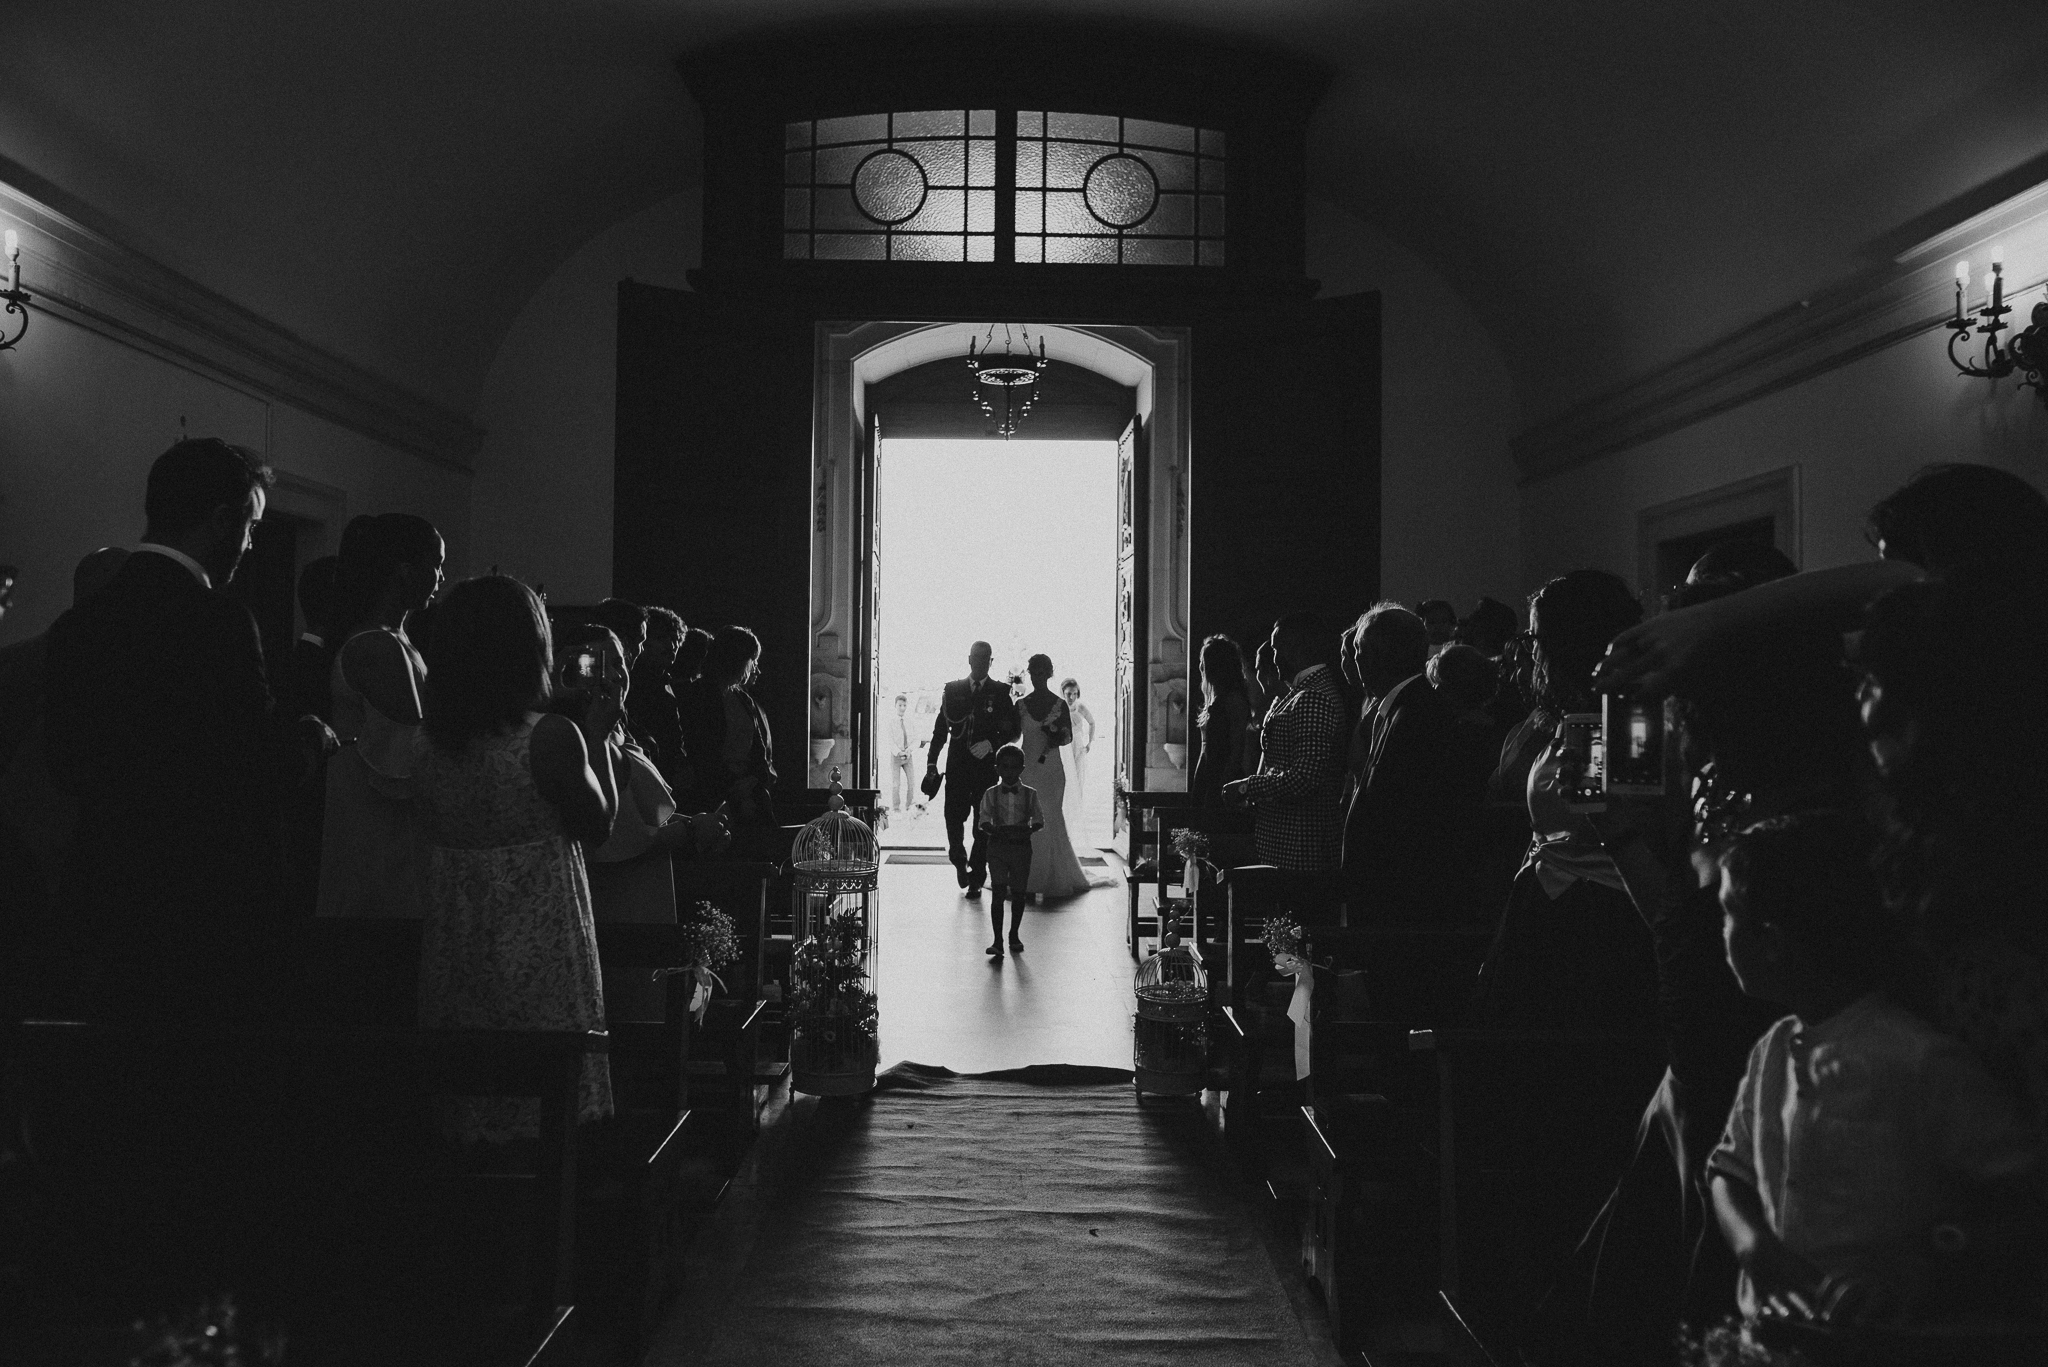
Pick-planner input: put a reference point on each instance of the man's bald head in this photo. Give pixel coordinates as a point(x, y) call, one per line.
point(96, 571)
point(978, 656)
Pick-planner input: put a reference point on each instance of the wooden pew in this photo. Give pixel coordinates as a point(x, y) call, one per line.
point(1533, 1129)
point(1144, 823)
point(334, 1224)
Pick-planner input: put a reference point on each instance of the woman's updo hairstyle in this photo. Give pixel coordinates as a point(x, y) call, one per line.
point(1575, 615)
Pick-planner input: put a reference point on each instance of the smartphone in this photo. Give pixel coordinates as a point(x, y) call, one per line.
point(1581, 768)
point(1636, 756)
point(585, 669)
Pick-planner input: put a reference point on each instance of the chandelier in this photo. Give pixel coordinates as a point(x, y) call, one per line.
point(1011, 377)
point(2027, 352)
point(16, 297)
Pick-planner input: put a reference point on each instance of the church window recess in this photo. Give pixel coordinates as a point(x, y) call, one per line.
point(1095, 188)
point(917, 186)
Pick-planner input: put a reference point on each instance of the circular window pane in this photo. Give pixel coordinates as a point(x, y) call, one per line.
point(1121, 190)
point(889, 187)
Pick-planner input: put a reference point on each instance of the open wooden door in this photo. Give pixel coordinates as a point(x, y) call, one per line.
point(1132, 654)
point(865, 707)
point(711, 507)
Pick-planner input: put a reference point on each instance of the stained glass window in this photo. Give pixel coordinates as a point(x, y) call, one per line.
point(1098, 188)
point(918, 186)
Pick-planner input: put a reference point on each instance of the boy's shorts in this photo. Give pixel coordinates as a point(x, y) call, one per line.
point(1009, 863)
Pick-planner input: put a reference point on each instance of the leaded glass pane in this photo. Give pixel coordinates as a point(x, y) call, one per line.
point(1086, 251)
point(1093, 127)
point(917, 247)
point(890, 187)
point(851, 247)
point(1145, 133)
point(858, 128)
point(929, 123)
point(1095, 188)
point(1157, 252)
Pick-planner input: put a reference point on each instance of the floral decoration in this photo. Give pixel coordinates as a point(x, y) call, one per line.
point(830, 1000)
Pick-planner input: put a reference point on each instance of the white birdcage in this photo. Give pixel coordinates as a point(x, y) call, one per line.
point(835, 867)
point(1170, 1042)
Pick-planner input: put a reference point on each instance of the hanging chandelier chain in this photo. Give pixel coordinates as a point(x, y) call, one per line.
point(1010, 373)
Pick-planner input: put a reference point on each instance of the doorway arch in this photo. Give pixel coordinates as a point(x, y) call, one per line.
point(1153, 363)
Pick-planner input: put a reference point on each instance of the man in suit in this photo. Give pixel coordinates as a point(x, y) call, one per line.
point(976, 717)
point(161, 724)
point(1402, 833)
point(1299, 824)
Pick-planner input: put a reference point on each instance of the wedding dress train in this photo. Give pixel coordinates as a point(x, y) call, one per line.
point(1055, 867)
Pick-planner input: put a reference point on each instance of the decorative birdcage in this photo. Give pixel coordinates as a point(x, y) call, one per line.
point(833, 1014)
point(1170, 1041)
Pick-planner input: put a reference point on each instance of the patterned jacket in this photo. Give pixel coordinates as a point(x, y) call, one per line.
point(1300, 822)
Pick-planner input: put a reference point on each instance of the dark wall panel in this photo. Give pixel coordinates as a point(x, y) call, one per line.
point(711, 504)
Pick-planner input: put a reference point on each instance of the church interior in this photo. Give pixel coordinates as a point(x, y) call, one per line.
point(1381, 307)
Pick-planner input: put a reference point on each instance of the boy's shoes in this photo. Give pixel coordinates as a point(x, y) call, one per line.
point(1016, 944)
point(960, 872)
point(973, 890)
point(994, 951)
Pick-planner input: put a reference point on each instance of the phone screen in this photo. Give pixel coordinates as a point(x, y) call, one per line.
point(1635, 757)
point(585, 668)
point(1582, 756)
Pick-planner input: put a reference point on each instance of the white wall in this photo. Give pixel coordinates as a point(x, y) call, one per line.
point(542, 503)
point(1448, 522)
point(81, 418)
point(1855, 433)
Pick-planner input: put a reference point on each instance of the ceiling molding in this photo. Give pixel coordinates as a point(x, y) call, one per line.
point(80, 274)
point(1911, 293)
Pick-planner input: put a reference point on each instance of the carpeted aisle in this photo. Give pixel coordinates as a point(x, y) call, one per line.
point(1036, 1216)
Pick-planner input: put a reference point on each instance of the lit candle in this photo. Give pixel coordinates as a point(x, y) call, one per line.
point(1997, 286)
point(13, 260)
point(1962, 286)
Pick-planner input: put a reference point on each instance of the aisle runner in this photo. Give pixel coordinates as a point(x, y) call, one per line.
point(1033, 1217)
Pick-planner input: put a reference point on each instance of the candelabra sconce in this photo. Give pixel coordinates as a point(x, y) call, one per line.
point(13, 318)
point(2026, 353)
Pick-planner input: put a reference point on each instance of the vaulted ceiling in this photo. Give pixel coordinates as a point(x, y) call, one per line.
point(1609, 183)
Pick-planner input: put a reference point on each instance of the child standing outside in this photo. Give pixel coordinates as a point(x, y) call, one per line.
point(1009, 814)
point(1871, 1169)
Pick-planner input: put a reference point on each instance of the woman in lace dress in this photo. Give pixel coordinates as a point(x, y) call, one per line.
point(503, 795)
point(1055, 867)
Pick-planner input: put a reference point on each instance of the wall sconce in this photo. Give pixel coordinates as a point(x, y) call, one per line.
point(17, 298)
point(2026, 353)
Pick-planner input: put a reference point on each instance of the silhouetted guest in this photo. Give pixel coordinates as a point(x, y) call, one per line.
point(1301, 774)
point(1965, 519)
point(305, 686)
point(1440, 620)
point(1407, 819)
point(1266, 688)
point(1570, 952)
point(628, 622)
point(1358, 704)
point(1489, 627)
point(161, 724)
point(369, 849)
point(731, 749)
point(1467, 681)
point(1224, 721)
point(693, 697)
point(651, 704)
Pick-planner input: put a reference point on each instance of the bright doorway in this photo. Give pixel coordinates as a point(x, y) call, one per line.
point(1014, 543)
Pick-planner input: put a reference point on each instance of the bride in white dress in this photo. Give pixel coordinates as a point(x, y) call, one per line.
point(1055, 868)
